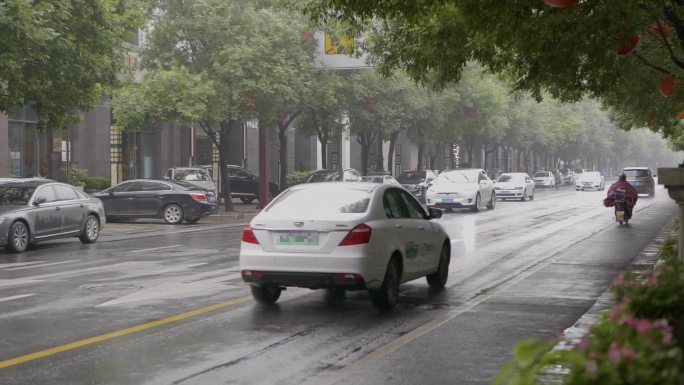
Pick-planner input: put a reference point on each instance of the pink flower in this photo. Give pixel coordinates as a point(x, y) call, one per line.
point(593, 355)
point(620, 279)
point(584, 343)
point(643, 326)
point(653, 281)
point(614, 352)
point(616, 312)
point(667, 338)
point(591, 367)
point(626, 298)
point(628, 353)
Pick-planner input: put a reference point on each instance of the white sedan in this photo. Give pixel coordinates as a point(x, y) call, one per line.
point(515, 185)
point(545, 179)
point(344, 236)
point(469, 188)
point(591, 180)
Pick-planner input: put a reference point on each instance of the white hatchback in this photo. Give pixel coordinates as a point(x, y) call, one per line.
point(344, 236)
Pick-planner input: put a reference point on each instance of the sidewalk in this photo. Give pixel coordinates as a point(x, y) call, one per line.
point(242, 212)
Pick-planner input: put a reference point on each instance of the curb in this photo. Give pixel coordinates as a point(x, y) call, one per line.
point(643, 263)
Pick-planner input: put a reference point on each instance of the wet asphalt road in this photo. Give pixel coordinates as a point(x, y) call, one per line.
point(155, 304)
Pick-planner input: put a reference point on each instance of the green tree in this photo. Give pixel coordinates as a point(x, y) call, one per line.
point(58, 55)
point(585, 50)
point(247, 62)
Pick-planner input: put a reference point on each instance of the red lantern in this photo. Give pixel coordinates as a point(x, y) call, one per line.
point(667, 86)
point(562, 4)
point(659, 30)
point(680, 115)
point(469, 112)
point(628, 47)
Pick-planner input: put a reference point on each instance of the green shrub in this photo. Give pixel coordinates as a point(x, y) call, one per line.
point(298, 177)
point(97, 183)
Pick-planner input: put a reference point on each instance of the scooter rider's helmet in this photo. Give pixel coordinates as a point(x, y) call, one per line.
point(623, 176)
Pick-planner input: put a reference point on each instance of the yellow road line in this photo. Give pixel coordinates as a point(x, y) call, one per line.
point(122, 332)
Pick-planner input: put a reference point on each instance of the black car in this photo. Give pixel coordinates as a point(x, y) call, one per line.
point(325, 175)
point(641, 178)
point(417, 182)
point(245, 185)
point(148, 198)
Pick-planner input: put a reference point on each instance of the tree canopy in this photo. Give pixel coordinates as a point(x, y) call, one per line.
point(630, 55)
point(58, 55)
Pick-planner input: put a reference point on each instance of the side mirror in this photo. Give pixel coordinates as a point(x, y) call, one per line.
point(110, 192)
point(40, 200)
point(434, 213)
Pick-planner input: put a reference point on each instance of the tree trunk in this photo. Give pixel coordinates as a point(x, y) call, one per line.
point(365, 151)
point(282, 153)
point(323, 140)
point(379, 158)
point(390, 154)
point(223, 150)
point(507, 154)
point(421, 152)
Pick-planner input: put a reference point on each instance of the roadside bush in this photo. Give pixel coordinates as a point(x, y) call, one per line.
point(96, 183)
point(79, 177)
point(298, 177)
point(637, 342)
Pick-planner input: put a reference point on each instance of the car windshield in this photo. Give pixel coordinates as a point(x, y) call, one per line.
point(325, 176)
point(411, 177)
point(541, 175)
point(320, 203)
point(15, 195)
point(637, 173)
point(192, 175)
point(510, 178)
point(591, 176)
point(458, 176)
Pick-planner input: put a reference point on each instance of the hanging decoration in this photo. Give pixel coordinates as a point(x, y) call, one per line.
point(628, 46)
point(667, 86)
point(562, 4)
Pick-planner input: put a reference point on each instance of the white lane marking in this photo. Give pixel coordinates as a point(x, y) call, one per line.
point(155, 248)
point(171, 289)
point(42, 265)
point(9, 265)
point(16, 297)
point(38, 278)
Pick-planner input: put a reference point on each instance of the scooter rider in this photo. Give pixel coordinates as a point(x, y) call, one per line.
point(624, 187)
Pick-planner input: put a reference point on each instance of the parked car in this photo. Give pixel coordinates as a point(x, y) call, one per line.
point(362, 236)
point(642, 179)
point(148, 198)
point(383, 179)
point(417, 182)
point(544, 179)
point(518, 185)
point(591, 180)
point(193, 175)
point(469, 188)
point(19, 180)
point(325, 175)
point(39, 210)
point(245, 185)
point(568, 177)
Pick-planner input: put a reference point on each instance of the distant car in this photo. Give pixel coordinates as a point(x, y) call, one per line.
point(568, 177)
point(642, 179)
point(417, 182)
point(362, 236)
point(174, 202)
point(516, 185)
point(544, 179)
point(39, 210)
point(325, 175)
point(193, 175)
point(590, 180)
point(19, 180)
point(469, 188)
point(383, 179)
point(245, 185)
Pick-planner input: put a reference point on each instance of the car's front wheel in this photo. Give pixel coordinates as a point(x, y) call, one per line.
point(386, 296)
point(524, 196)
point(173, 214)
point(476, 206)
point(18, 237)
point(492, 202)
point(91, 230)
point(267, 294)
point(438, 279)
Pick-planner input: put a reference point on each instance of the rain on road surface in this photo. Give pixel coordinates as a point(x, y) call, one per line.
point(168, 306)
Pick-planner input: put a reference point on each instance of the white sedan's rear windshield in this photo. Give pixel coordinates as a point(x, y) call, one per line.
point(321, 202)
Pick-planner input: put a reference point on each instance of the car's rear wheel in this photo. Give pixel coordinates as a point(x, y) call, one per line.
point(18, 237)
point(492, 202)
point(91, 230)
point(438, 279)
point(173, 214)
point(476, 207)
point(267, 294)
point(247, 200)
point(386, 296)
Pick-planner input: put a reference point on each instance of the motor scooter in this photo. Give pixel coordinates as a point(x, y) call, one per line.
point(621, 208)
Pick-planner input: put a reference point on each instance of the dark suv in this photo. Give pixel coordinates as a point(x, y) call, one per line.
point(245, 185)
point(641, 178)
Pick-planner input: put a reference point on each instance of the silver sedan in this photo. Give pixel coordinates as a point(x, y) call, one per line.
point(40, 210)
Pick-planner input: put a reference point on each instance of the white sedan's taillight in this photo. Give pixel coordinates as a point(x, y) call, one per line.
point(359, 235)
point(248, 236)
point(199, 197)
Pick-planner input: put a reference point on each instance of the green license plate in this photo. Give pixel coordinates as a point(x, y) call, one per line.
point(298, 239)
